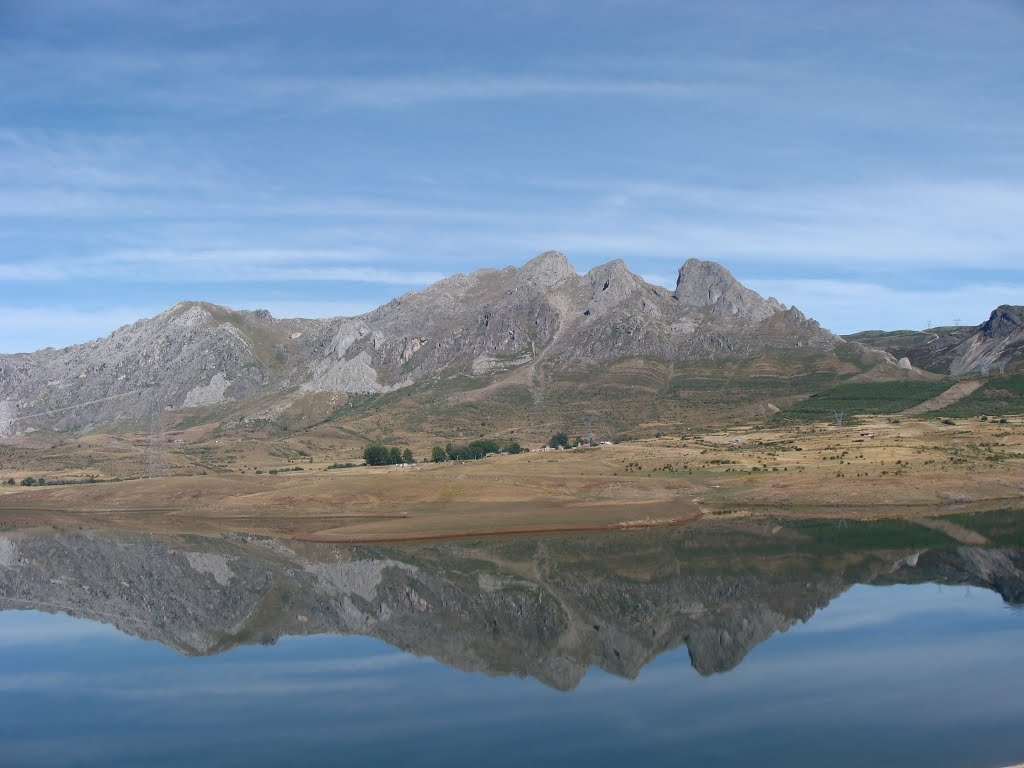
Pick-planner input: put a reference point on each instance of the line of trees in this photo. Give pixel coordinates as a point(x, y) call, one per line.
point(471, 451)
point(380, 456)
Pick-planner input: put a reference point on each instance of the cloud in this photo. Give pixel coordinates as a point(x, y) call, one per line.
point(890, 222)
point(234, 266)
point(417, 90)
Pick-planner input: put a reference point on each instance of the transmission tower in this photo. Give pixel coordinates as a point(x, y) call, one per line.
point(588, 432)
point(839, 416)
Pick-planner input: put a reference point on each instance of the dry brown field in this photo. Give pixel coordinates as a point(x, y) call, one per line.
point(880, 468)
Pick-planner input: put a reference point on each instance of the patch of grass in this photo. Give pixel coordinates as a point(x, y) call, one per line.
point(998, 395)
point(862, 397)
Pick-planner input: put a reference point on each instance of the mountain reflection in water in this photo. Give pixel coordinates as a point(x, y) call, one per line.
point(549, 608)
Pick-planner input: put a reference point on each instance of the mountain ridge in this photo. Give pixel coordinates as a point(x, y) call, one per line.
point(541, 316)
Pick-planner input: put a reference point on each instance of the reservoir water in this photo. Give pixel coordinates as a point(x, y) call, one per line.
point(761, 643)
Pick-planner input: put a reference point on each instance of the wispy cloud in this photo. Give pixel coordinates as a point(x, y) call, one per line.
point(235, 266)
point(416, 90)
point(909, 220)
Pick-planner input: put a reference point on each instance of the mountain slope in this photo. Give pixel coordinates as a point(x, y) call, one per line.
point(526, 327)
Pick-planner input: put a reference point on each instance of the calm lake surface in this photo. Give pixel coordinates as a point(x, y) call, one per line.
point(768, 643)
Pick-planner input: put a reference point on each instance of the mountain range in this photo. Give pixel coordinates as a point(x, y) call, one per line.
point(538, 345)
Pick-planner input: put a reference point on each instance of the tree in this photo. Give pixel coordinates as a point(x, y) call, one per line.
point(515, 447)
point(395, 457)
point(438, 455)
point(28, 480)
point(407, 457)
point(376, 455)
point(474, 450)
point(559, 440)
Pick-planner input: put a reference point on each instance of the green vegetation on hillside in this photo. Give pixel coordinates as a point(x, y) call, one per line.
point(863, 397)
point(998, 395)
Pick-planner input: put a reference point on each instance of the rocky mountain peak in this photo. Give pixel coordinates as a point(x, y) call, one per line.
point(549, 268)
point(1003, 321)
point(702, 283)
point(609, 285)
point(708, 284)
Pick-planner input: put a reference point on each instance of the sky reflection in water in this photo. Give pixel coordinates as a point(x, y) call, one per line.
point(898, 675)
point(795, 643)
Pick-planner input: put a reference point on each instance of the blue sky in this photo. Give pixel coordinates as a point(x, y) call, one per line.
point(864, 161)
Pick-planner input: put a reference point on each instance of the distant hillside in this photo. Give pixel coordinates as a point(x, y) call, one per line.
point(995, 346)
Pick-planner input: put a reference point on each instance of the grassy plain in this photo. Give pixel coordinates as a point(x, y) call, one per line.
point(884, 467)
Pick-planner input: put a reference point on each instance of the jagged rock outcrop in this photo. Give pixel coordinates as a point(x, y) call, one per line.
point(707, 284)
point(481, 324)
point(552, 615)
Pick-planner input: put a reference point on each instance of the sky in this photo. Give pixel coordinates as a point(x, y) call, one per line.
point(863, 161)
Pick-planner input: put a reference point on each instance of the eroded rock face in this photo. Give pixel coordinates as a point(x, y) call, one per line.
point(468, 605)
point(199, 355)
